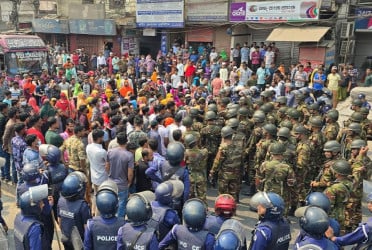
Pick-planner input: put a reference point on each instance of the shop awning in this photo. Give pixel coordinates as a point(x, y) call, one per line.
point(303, 34)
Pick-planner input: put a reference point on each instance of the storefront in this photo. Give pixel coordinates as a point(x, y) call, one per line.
point(317, 53)
point(363, 38)
point(52, 31)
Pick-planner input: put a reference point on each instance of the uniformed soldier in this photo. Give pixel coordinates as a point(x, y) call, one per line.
point(280, 102)
point(332, 127)
point(245, 125)
point(28, 229)
point(275, 175)
point(360, 163)
point(281, 115)
point(320, 200)
point(224, 209)
point(211, 137)
point(366, 123)
point(317, 140)
point(188, 123)
point(73, 210)
point(354, 117)
point(164, 217)
point(314, 109)
point(302, 107)
point(314, 223)
point(303, 164)
point(351, 133)
point(273, 230)
point(190, 234)
point(196, 160)
point(137, 234)
point(222, 108)
point(294, 116)
point(227, 164)
point(101, 231)
point(325, 177)
point(339, 192)
point(285, 138)
point(356, 104)
point(232, 236)
point(269, 136)
point(197, 118)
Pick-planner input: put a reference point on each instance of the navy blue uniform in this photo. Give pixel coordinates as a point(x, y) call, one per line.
point(213, 223)
point(163, 218)
point(28, 233)
point(361, 235)
point(128, 234)
point(323, 243)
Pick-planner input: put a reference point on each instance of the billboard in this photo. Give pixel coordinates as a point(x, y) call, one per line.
point(278, 11)
point(365, 23)
point(206, 11)
point(160, 13)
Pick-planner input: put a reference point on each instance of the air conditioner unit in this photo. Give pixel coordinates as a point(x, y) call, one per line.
point(347, 29)
point(347, 48)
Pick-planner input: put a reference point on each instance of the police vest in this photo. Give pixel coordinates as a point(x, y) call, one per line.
point(187, 240)
point(157, 220)
point(313, 244)
point(280, 234)
point(368, 244)
point(69, 213)
point(21, 229)
point(212, 224)
point(137, 239)
point(104, 235)
point(169, 172)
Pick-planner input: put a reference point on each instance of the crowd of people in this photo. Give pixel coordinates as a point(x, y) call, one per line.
point(149, 137)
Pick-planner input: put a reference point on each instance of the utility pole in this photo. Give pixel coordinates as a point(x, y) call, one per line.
point(14, 14)
point(36, 4)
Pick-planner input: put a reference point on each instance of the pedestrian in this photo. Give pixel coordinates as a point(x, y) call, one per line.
point(333, 81)
point(272, 230)
point(137, 234)
point(52, 136)
point(120, 166)
point(18, 148)
point(143, 182)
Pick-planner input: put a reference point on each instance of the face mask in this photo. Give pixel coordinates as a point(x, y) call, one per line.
point(143, 77)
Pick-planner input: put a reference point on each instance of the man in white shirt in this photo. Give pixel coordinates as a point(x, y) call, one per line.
point(269, 57)
point(177, 124)
point(213, 55)
point(101, 60)
point(97, 157)
point(175, 79)
point(180, 68)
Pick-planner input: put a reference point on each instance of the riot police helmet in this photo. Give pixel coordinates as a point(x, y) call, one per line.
point(194, 112)
point(231, 113)
point(30, 172)
point(294, 113)
point(281, 100)
point(194, 213)
point(332, 146)
point(29, 200)
point(108, 185)
point(300, 129)
point(139, 209)
point(225, 205)
point(73, 186)
point(357, 102)
point(212, 107)
point(266, 93)
point(175, 153)
point(169, 190)
point(283, 110)
point(300, 96)
point(341, 167)
point(244, 111)
point(314, 106)
point(313, 220)
point(107, 203)
point(286, 124)
point(51, 153)
point(227, 240)
point(316, 121)
point(259, 116)
point(358, 144)
point(332, 114)
point(318, 199)
point(273, 203)
point(364, 111)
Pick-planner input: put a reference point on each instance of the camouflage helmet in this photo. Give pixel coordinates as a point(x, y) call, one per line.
point(316, 121)
point(313, 106)
point(332, 114)
point(356, 117)
point(364, 111)
point(332, 146)
point(342, 167)
point(222, 91)
point(300, 129)
point(194, 112)
point(210, 115)
point(284, 132)
point(286, 124)
point(271, 129)
point(229, 106)
point(233, 123)
point(355, 127)
point(283, 110)
point(277, 148)
point(357, 102)
point(294, 113)
point(231, 113)
point(244, 111)
point(281, 100)
point(212, 107)
point(358, 144)
point(266, 93)
point(190, 139)
point(226, 131)
point(235, 106)
point(267, 107)
point(187, 121)
point(259, 116)
point(299, 96)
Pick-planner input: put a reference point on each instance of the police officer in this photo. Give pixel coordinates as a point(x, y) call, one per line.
point(362, 235)
point(32, 177)
point(73, 210)
point(231, 236)
point(28, 229)
point(224, 209)
point(164, 217)
point(101, 231)
point(314, 222)
point(137, 234)
point(190, 235)
point(272, 231)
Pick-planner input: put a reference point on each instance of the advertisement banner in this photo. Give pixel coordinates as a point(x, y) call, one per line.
point(278, 11)
point(363, 24)
point(206, 11)
point(160, 13)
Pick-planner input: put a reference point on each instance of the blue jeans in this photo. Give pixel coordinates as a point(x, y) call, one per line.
point(5, 170)
point(123, 198)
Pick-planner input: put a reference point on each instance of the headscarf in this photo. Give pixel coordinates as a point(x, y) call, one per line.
point(81, 100)
point(47, 110)
point(33, 104)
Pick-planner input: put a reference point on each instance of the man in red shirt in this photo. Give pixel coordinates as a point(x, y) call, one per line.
point(217, 85)
point(35, 124)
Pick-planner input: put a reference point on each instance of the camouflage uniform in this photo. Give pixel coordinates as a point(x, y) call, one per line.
point(262, 151)
point(196, 162)
point(250, 152)
point(338, 194)
point(276, 176)
point(227, 165)
point(303, 169)
point(197, 126)
point(76, 152)
point(211, 139)
point(317, 141)
point(305, 112)
point(194, 133)
point(290, 152)
point(326, 177)
point(331, 131)
point(346, 144)
point(353, 210)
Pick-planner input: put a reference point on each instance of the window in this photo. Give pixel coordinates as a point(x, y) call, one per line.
point(87, 1)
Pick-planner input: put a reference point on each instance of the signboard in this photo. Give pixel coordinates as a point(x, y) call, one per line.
point(363, 24)
point(24, 42)
point(50, 26)
point(278, 11)
point(129, 45)
point(6, 10)
point(29, 55)
point(206, 11)
point(159, 13)
point(99, 27)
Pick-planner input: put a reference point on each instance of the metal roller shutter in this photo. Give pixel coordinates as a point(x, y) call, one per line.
point(362, 48)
